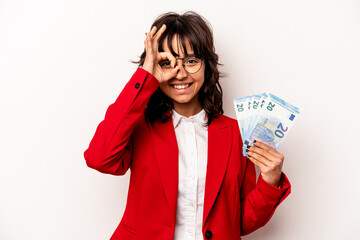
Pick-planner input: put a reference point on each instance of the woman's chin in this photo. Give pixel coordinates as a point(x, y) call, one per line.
point(182, 100)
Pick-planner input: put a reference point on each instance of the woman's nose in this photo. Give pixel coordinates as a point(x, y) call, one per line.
point(181, 74)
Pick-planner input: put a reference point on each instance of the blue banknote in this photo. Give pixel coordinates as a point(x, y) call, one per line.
point(269, 119)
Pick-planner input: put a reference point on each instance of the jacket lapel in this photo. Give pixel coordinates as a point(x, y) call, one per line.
point(166, 150)
point(167, 153)
point(219, 145)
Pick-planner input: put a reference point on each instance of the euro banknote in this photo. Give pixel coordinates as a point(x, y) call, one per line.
point(264, 117)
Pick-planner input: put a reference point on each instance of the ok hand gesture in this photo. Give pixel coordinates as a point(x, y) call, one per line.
point(153, 56)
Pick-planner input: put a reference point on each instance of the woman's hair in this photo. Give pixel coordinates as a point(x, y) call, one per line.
point(197, 31)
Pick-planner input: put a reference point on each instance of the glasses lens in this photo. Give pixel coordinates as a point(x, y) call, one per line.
point(192, 64)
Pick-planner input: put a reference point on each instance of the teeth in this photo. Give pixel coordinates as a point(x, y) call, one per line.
point(181, 86)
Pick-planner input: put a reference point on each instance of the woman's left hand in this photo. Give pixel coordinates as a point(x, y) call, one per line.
point(268, 160)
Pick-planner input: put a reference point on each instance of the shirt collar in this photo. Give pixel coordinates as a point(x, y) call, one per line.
point(199, 118)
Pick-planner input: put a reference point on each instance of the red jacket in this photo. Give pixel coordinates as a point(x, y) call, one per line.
point(234, 203)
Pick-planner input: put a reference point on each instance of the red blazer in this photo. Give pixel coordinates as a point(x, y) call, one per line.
point(234, 203)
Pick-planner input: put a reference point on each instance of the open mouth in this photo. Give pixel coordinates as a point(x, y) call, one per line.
point(181, 86)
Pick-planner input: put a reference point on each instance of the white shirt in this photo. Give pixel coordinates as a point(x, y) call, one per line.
point(192, 139)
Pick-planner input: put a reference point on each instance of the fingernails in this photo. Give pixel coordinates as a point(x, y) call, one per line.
point(145, 33)
point(248, 146)
point(247, 150)
point(254, 141)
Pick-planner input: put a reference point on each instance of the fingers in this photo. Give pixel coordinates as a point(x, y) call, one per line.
point(172, 73)
point(152, 39)
point(259, 158)
point(155, 35)
point(159, 33)
point(167, 56)
point(147, 42)
point(265, 155)
point(268, 149)
point(260, 150)
point(268, 160)
point(258, 163)
point(175, 69)
point(153, 56)
point(149, 37)
point(153, 31)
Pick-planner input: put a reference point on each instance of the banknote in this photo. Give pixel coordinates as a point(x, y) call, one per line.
point(266, 118)
point(242, 109)
point(256, 106)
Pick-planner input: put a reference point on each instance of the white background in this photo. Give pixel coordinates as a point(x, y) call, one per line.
point(62, 63)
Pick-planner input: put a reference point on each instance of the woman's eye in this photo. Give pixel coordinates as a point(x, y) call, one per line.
point(192, 61)
point(165, 64)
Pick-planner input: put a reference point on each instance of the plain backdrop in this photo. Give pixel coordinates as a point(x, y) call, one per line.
point(62, 63)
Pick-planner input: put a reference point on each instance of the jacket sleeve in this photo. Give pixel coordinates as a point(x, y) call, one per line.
point(259, 200)
point(110, 150)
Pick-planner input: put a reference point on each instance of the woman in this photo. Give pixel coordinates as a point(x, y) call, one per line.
point(189, 179)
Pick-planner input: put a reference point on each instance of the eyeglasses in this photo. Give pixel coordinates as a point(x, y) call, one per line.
point(191, 63)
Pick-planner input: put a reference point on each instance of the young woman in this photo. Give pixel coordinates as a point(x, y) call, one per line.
point(189, 179)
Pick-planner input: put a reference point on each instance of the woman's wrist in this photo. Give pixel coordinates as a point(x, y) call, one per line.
point(272, 179)
point(147, 68)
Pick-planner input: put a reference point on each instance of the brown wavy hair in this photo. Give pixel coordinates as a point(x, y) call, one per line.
point(198, 32)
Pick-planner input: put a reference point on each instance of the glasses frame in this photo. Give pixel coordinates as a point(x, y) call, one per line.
point(183, 64)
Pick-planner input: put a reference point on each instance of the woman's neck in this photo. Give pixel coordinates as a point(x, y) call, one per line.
point(187, 109)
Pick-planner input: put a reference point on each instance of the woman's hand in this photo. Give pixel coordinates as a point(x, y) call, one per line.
point(268, 160)
point(153, 56)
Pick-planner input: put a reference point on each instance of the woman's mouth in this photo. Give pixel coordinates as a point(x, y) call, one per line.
point(181, 86)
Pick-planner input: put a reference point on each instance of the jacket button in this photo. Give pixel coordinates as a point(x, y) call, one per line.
point(137, 85)
point(208, 234)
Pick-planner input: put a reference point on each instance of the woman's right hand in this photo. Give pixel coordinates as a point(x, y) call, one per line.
point(153, 56)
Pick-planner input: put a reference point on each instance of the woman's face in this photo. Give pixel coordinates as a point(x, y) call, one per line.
point(184, 88)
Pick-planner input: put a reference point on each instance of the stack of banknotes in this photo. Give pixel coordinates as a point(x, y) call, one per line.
point(264, 117)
